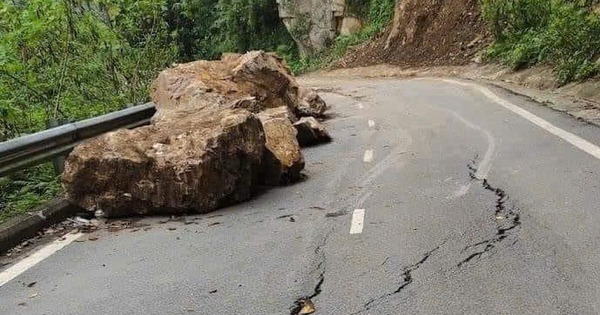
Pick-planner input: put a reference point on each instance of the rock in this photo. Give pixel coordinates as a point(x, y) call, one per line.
point(283, 160)
point(183, 162)
point(310, 103)
point(311, 132)
point(312, 24)
point(254, 81)
point(350, 25)
point(222, 127)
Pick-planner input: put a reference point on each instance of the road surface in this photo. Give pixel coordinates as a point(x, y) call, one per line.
point(436, 197)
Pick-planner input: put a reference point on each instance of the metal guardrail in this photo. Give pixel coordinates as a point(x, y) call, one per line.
point(33, 149)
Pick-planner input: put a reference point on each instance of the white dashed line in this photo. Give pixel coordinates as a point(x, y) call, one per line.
point(368, 158)
point(23, 265)
point(358, 219)
point(371, 123)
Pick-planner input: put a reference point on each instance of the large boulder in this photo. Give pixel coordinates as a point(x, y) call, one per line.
point(181, 163)
point(261, 78)
point(283, 160)
point(222, 128)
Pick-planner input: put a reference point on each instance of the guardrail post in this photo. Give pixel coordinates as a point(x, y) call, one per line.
point(59, 161)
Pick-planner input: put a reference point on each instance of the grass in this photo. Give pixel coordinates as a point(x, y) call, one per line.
point(27, 189)
point(559, 33)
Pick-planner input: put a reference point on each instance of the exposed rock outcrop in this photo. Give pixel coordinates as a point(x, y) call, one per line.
point(312, 24)
point(221, 128)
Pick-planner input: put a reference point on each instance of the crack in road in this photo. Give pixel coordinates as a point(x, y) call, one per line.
point(505, 217)
point(407, 279)
point(320, 269)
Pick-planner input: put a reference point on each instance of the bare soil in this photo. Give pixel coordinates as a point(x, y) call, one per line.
point(426, 33)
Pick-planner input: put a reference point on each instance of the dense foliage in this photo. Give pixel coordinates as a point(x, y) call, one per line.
point(561, 33)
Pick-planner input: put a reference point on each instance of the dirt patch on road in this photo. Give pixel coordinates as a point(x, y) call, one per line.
point(426, 33)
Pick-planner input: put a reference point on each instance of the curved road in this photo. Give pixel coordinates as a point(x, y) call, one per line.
point(436, 197)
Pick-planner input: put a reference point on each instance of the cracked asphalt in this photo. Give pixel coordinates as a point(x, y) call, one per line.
point(512, 231)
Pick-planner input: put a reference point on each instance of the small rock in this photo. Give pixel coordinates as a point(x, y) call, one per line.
point(172, 229)
point(311, 132)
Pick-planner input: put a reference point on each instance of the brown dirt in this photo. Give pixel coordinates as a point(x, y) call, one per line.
point(426, 33)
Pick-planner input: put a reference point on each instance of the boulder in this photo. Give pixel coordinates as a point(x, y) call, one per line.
point(182, 163)
point(310, 103)
point(221, 128)
point(283, 160)
point(311, 132)
point(196, 86)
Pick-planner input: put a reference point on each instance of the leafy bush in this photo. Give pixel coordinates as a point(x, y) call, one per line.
point(564, 34)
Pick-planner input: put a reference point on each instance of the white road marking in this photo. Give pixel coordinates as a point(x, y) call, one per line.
point(485, 165)
point(45, 252)
point(576, 141)
point(371, 123)
point(368, 158)
point(464, 189)
point(358, 220)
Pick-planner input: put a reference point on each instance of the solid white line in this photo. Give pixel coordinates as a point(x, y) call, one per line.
point(368, 158)
point(576, 141)
point(45, 252)
point(371, 123)
point(358, 219)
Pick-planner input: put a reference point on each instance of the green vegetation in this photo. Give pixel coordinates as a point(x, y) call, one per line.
point(561, 33)
point(379, 13)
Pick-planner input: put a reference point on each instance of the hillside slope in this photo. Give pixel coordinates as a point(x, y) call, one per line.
point(425, 33)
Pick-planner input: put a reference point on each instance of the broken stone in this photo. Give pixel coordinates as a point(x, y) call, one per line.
point(214, 164)
point(310, 103)
point(205, 148)
point(304, 307)
point(311, 132)
point(254, 81)
point(283, 160)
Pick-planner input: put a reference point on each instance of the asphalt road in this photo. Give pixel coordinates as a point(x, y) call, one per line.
point(470, 207)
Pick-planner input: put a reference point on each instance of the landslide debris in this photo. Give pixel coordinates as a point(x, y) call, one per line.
point(222, 128)
point(426, 33)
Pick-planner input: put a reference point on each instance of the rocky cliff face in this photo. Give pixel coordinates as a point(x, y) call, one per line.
point(315, 23)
